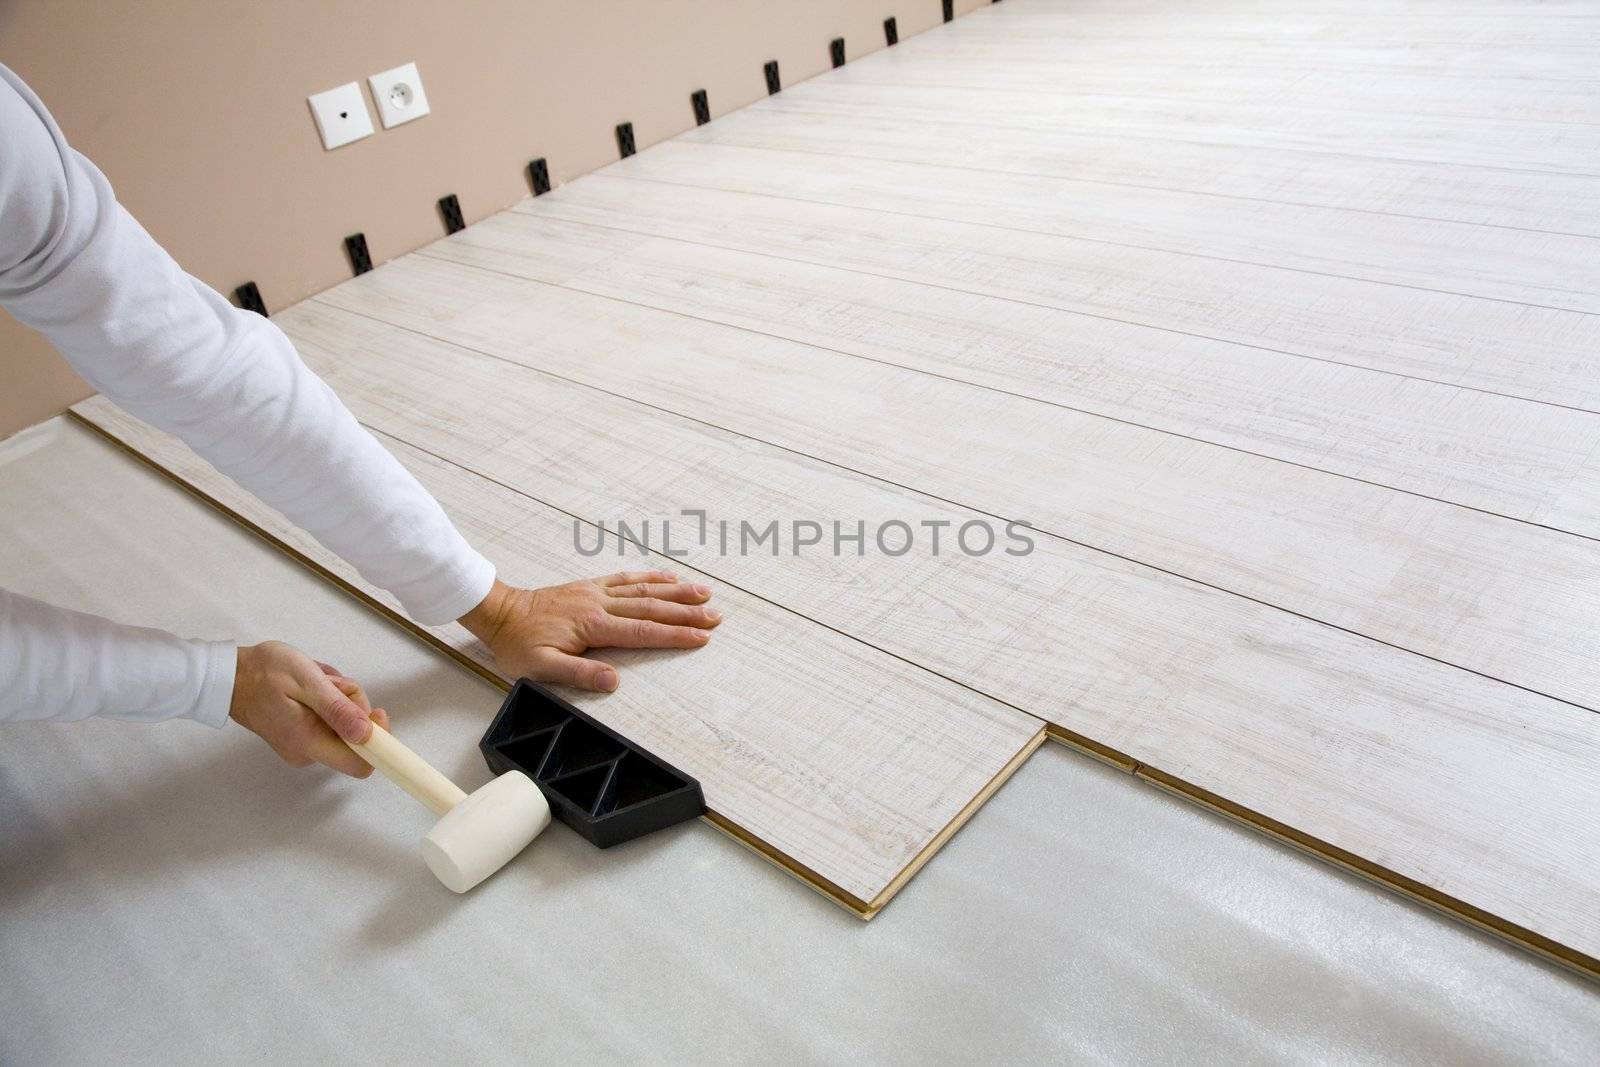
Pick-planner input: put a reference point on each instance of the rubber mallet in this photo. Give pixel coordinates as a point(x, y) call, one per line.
point(477, 833)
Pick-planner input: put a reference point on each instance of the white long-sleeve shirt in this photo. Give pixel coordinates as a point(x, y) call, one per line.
point(75, 266)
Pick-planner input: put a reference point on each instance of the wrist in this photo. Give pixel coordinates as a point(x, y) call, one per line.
point(244, 660)
point(485, 620)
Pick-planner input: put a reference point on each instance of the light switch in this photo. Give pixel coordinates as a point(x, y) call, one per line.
point(399, 95)
point(341, 115)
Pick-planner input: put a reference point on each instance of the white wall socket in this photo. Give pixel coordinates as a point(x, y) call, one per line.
point(399, 95)
point(341, 115)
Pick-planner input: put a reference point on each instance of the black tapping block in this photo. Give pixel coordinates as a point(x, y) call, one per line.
point(836, 51)
point(770, 69)
point(949, 10)
point(890, 32)
point(597, 781)
point(539, 175)
point(450, 211)
point(356, 246)
point(702, 107)
point(625, 139)
point(248, 297)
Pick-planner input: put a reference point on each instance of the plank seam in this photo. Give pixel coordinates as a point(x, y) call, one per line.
point(1138, 247)
point(546, 212)
point(788, 107)
point(724, 140)
point(1453, 907)
point(1580, 962)
point(646, 550)
point(1472, 117)
point(939, 840)
point(569, 287)
point(812, 878)
point(944, 500)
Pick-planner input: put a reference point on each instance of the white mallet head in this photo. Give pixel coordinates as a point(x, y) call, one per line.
point(482, 833)
point(476, 834)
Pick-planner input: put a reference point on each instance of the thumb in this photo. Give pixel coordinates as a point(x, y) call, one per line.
point(343, 715)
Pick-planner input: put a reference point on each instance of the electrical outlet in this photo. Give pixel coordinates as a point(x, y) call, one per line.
point(399, 95)
point(341, 115)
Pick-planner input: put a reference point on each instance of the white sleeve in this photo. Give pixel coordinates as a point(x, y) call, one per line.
point(75, 266)
point(63, 665)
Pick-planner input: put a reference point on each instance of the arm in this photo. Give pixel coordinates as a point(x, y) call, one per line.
point(63, 665)
point(77, 267)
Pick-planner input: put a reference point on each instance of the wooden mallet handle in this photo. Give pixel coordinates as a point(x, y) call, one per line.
point(409, 771)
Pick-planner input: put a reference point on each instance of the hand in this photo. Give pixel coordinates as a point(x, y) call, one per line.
point(302, 708)
point(543, 633)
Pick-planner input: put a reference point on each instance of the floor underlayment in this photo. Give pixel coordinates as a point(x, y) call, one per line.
point(1276, 322)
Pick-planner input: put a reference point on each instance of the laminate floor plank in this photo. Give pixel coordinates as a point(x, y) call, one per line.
point(1206, 51)
point(1213, 45)
point(1497, 346)
point(1559, 147)
point(1554, 82)
point(1517, 606)
point(1197, 683)
point(1279, 322)
point(1500, 454)
point(1492, 196)
point(1212, 53)
point(1494, 21)
point(1543, 269)
point(1295, 82)
point(847, 761)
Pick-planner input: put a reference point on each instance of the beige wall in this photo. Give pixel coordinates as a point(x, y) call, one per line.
point(196, 111)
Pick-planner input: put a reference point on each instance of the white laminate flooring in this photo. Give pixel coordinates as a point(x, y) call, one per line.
point(1278, 322)
point(843, 759)
point(174, 894)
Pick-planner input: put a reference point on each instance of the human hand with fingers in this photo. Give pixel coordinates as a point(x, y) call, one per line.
point(544, 634)
point(302, 708)
point(230, 384)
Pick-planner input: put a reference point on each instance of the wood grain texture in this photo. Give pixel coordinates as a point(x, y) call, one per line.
point(1553, 270)
point(1389, 755)
point(1213, 51)
point(1441, 25)
point(1300, 392)
point(1487, 195)
point(1563, 148)
point(1498, 346)
point(1517, 604)
point(849, 762)
point(1432, 87)
point(1494, 453)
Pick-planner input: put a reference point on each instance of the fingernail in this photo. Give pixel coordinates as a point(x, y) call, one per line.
point(704, 635)
point(713, 614)
point(702, 590)
point(607, 681)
